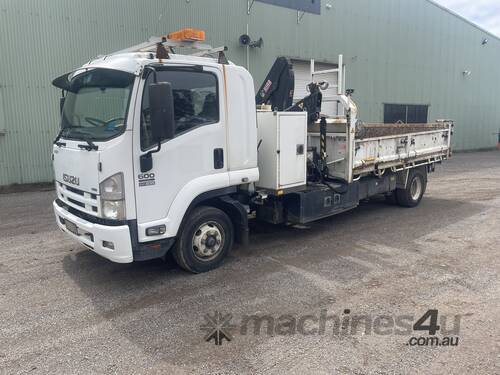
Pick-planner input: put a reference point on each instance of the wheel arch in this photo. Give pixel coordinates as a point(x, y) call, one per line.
point(222, 199)
point(404, 176)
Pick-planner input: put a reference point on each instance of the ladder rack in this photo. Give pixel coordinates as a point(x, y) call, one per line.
point(201, 49)
point(340, 72)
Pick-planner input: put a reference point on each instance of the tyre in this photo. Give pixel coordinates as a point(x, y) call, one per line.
point(204, 240)
point(391, 198)
point(415, 189)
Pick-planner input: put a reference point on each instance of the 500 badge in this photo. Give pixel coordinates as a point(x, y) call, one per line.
point(147, 179)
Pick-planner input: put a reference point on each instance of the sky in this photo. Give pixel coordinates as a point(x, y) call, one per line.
point(485, 13)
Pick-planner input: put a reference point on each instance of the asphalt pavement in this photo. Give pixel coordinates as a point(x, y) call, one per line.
point(339, 296)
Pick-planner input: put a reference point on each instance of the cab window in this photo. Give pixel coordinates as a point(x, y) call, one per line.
point(196, 102)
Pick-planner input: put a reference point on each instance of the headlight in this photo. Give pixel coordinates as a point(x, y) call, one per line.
point(112, 188)
point(114, 210)
point(113, 197)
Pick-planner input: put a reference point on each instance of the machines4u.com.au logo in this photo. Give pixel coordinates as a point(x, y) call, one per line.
point(435, 329)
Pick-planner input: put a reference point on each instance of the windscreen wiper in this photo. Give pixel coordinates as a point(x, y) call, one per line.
point(59, 135)
point(89, 146)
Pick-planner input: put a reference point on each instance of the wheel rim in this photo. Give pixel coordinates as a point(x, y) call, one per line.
point(416, 189)
point(208, 241)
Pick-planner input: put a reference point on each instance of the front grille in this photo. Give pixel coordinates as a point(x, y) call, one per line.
point(76, 191)
point(90, 218)
point(88, 203)
point(76, 202)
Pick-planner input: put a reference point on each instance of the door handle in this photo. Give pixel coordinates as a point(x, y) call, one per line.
point(300, 149)
point(218, 158)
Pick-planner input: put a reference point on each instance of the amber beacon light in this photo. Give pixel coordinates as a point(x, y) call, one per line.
point(187, 35)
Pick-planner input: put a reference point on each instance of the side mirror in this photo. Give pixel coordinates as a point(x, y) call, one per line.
point(161, 100)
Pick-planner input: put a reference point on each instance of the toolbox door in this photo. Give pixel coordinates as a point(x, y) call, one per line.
point(292, 148)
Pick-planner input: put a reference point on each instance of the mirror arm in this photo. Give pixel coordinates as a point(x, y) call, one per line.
point(147, 159)
point(62, 99)
point(158, 149)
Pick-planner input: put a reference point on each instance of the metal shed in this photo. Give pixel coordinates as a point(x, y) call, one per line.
point(405, 53)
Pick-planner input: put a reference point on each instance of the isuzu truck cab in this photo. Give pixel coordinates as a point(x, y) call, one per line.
point(163, 152)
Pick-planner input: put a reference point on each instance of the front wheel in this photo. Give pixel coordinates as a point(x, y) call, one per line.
point(204, 241)
point(415, 189)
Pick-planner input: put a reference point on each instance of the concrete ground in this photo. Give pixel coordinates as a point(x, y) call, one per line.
point(65, 310)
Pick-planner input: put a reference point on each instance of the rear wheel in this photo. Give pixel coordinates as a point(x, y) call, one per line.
point(391, 198)
point(414, 191)
point(204, 241)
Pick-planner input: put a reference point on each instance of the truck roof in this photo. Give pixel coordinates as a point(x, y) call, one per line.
point(135, 58)
point(134, 62)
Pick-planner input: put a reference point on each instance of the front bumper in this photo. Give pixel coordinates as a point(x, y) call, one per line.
point(98, 237)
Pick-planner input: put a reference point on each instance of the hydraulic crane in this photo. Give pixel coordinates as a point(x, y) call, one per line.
point(279, 87)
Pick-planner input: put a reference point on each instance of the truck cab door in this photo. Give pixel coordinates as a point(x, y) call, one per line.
point(193, 159)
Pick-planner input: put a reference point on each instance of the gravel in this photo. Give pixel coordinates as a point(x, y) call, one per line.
point(66, 310)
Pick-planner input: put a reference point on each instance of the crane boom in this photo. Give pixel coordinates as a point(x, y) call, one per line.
point(279, 86)
point(278, 91)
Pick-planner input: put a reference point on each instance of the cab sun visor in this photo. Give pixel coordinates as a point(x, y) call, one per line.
point(93, 77)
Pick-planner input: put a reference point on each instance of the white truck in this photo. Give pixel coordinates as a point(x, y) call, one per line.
point(163, 152)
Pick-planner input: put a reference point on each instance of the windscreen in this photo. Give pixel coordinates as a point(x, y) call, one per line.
point(96, 105)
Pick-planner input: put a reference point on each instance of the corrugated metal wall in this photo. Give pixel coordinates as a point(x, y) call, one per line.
point(396, 51)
